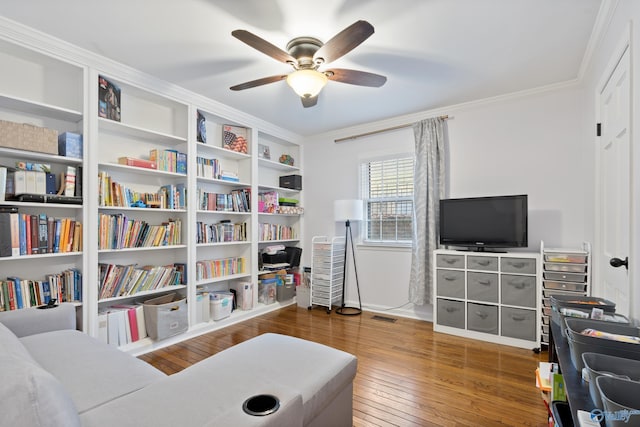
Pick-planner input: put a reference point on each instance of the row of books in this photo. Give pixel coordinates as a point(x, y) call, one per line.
point(17, 293)
point(117, 231)
point(111, 193)
point(122, 280)
point(209, 269)
point(26, 234)
point(121, 324)
point(276, 232)
point(235, 201)
point(221, 232)
point(169, 160)
point(37, 178)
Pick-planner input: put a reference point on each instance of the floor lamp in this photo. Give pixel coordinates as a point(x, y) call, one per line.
point(347, 211)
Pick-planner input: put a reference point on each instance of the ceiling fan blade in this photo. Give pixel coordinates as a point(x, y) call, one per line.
point(353, 77)
point(343, 42)
point(309, 102)
point(258, 82)
point(263, 46)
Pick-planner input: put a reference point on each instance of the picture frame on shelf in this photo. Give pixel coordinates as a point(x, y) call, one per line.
point(108, 100)
point(264, 152)
point(235, 138)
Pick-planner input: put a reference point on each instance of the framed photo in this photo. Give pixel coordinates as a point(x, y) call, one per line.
point(108, 100)
point(234, 138)
point(263, 152)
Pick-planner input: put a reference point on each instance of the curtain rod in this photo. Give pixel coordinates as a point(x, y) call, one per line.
point(346, 138)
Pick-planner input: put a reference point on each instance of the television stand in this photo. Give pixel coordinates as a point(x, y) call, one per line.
point(488, 296)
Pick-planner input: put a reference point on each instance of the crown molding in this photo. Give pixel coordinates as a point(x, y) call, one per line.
point(603, 20)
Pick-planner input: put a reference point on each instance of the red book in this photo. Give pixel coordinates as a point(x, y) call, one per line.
point(133, 323)
point(139, 163)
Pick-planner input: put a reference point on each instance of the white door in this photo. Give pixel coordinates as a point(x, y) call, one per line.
point(615, 186)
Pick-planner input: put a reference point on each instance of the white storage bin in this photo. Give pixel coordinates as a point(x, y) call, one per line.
point(220, 306)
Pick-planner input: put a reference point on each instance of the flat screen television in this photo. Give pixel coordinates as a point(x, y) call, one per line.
point(484, 222)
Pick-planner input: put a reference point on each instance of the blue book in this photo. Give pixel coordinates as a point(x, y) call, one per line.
point(46, 293)
point(23, 234)
point(56, 241)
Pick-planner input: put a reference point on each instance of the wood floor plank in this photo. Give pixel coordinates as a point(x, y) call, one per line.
point(407, 374)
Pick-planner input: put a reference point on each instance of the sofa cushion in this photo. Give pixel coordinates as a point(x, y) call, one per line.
point(92, 372)
point(30, 396)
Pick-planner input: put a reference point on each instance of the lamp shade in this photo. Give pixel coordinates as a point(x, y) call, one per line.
point(344, 210)
point(307, 83)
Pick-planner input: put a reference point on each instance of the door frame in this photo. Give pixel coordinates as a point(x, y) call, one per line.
point(625, 43)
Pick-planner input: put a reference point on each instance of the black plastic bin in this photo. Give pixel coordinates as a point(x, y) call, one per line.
point(561, 413)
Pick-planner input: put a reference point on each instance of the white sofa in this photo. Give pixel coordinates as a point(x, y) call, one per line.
point(53, 375)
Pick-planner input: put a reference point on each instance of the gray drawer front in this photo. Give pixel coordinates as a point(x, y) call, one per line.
point(518, 323)
point(482, 286)
point(518, 265)
point(450, 261)
point(450, 313)
point(450, 283)
point(518, 290)
point(482, 318)
point(482, 263)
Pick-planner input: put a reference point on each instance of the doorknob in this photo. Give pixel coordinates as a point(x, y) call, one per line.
point(617, 262)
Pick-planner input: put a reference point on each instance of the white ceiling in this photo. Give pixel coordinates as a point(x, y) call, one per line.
point(434, 53)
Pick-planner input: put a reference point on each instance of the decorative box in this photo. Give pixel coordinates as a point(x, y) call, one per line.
point(70, 145)
point(293, 182)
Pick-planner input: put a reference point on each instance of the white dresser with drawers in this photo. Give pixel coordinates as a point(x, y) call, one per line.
point(488, 296)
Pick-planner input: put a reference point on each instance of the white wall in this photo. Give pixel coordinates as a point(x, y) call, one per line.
point(520, 144)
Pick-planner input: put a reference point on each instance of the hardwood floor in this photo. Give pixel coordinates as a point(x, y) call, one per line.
point(407, 374)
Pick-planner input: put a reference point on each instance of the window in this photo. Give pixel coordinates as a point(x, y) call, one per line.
point(387, 191)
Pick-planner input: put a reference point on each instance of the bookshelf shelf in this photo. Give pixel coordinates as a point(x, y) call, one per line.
point(220, 152)
point(222, 278)
point(202, 211)
point(215, 244)
point(146, 248)
point(280, 241)
point(41, 157)
point(145, 210)
point(223, 182)
point(140, 132)
point(69, 206)
point(139, 171)
point(262, 188)
point(277, 165)
point(40, 256)
point(278, 214)
point(142, 294)
point(39, 109)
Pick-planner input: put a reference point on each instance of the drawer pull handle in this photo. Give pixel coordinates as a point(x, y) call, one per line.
point(450, 278)
point(518, 318)
point(451, 309)
point(450, 260)
point(517, 264)
point(518, 285)
point(482, 315)
point(484, 282)
point(483, 262)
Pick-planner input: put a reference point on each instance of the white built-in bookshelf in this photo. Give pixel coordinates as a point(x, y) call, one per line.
point(51, 84)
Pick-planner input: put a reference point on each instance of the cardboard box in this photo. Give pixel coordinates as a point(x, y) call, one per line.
point(70, 145)
point(27, 137)
point(166, 316)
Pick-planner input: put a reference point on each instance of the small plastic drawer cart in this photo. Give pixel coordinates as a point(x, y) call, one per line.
point(327, 270)
point(564, 272)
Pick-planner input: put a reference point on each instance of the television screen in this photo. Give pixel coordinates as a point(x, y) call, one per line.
point(484, 222)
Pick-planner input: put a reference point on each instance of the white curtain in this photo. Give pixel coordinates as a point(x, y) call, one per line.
point(428, 189)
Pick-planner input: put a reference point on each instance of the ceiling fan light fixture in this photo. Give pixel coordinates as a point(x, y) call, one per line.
point(307, 83)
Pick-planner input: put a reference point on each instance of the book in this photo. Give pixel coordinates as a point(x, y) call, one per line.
point(139, 163)
point(70, 181)
point(103, 334)
point(108, 99)
point(43, 234)
point(558, 391)
point(15, 233)
point(3, 183)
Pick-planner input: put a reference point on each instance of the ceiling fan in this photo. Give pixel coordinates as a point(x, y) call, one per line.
point(306, 55)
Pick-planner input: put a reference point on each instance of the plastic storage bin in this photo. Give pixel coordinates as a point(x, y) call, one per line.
point(620, 397)
point(582, 302)
point(267, 291)
point(220, 307)
point(165, 316)
point(579, 344)
point(558, 316)
point(597, 365)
